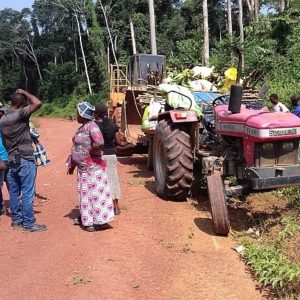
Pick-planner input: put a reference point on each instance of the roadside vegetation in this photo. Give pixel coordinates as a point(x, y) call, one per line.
point(65, 107)
point(272, 242)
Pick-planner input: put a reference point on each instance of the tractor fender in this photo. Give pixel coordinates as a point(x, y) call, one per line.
point(179, 116)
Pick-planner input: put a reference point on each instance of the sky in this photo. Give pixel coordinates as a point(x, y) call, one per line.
point(19, 4)
point(15, 4)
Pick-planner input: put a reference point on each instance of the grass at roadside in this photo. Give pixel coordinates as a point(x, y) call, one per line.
point(66, 106)
point(273, 255)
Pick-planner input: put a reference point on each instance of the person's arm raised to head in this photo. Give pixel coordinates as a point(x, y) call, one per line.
point(34, 102)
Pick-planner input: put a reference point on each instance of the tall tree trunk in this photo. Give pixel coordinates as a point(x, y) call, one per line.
point(109, 34)
point(75, 55)
point(25, 74)
point(241, 26)
point(206, 33)
point(29, 51)
point(38, 69)
point(229, 17)
point(256, 10)
point(83, 54)
point(250, 4)
point(34, 58)
point(281, 5)
point(116, 43)
point(152, 27)
point(132, 36)
point(108, 58)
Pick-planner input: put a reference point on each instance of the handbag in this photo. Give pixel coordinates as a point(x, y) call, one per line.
point(39, 153)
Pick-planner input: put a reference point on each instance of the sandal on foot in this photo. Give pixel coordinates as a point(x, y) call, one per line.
point(90, 229)
point(77, 221)
point(117, 211)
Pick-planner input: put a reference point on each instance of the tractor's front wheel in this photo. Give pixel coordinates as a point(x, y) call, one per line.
point(172, 161)
point(218, 205)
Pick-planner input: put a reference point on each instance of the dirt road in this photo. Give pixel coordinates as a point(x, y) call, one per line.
point(155, 249)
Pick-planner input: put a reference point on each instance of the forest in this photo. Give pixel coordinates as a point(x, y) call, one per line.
point(61, 49)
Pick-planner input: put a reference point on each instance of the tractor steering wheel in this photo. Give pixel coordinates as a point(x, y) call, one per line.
point(223, 99)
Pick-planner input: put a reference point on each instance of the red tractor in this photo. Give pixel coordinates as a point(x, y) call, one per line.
point(258, 147)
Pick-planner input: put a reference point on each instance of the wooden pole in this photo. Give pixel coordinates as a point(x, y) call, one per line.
point(152, 27)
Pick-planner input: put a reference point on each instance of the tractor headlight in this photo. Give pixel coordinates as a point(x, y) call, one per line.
point(288, 146)
point(268, 146)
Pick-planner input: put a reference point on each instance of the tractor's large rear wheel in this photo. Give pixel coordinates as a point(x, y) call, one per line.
point(172, 161)
point(218, 205)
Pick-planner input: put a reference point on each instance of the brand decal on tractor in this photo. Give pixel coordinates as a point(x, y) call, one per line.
point(291, 131)
point(230, 127)
point(252, 131)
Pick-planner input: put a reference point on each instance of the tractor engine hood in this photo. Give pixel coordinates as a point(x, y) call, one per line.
point(261, 124)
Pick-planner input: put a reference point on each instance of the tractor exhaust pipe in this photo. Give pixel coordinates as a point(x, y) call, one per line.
point(235, 101)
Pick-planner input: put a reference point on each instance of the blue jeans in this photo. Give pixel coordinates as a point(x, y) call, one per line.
point(21, 177)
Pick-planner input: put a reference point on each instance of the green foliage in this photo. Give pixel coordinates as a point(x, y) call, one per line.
point(97, 64)
point(270, 265)
point(288, 193)
point(140, 23)
point(40, 49)
point(222, 55)
point(66, 106)
point(272, 44)
point(10, 79)
point(59, 80)
point(267, 257)
point(187, 54)
point(291, 227)
point(292, 196)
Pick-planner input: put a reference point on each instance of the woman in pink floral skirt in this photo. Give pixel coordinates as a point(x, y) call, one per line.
point(95, 202)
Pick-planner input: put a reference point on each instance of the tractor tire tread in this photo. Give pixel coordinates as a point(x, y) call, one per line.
point(179, 160)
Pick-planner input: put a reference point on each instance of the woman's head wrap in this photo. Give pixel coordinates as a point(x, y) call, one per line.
point(86, 110)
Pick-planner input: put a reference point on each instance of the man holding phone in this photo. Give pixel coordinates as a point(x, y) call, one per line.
point(21, 166)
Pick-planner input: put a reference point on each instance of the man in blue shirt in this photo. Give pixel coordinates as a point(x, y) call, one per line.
point(296, 104)
point(3, 165)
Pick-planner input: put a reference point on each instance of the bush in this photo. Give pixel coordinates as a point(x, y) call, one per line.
point(271, 266)
point(269, 258)
point(66, 106)
point(60, 80)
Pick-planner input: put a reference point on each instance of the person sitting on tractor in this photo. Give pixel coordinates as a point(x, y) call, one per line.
point(296, 104)
point(277, 105)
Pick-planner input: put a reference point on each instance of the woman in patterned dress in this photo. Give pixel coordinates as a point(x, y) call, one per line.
point(95, 201)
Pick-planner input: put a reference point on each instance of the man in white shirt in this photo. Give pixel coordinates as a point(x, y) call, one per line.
point(277, 105)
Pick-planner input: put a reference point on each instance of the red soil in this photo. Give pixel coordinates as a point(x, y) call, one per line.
point(155, 249)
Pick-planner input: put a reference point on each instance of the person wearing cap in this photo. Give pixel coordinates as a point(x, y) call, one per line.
point(21, 166)
point(3, 164)
point(95, 201)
